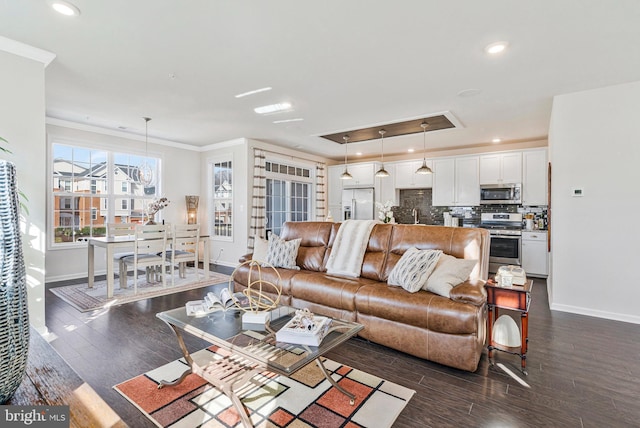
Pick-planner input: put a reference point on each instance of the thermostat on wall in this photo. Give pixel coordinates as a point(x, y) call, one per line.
point(577, 191)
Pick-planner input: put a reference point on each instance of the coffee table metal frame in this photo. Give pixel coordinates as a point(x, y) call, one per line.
point(252, 349)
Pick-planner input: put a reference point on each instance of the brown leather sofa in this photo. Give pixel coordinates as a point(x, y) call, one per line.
point(449, 331)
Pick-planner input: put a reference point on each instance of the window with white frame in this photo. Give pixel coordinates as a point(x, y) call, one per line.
point(288, 194)
point(222, 199)
point(92, 187)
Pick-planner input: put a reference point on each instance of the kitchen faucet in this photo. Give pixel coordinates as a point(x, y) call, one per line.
point(415, 216)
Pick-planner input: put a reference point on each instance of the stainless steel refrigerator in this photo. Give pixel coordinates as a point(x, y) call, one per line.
point(358, 204)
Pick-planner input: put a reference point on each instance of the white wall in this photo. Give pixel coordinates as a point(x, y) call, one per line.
point(22, 113)
point(594, 144)
point(181, 176)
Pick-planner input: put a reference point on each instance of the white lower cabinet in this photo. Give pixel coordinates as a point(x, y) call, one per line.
point(535, 260)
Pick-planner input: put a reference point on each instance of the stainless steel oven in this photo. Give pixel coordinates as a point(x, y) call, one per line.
point(505, 246)
point(504, 250)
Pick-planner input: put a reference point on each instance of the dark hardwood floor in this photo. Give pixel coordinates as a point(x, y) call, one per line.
point(583, 371)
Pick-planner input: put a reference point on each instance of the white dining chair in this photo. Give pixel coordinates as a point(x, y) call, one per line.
point(121, 230)
point(149, 251)
point(184, 248)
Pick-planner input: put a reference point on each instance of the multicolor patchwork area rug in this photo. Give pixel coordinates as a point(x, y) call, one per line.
point(304, 400)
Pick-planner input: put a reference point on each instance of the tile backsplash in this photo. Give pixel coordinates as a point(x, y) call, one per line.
point(420, 199)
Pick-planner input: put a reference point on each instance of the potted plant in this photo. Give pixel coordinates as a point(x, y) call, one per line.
point(14, 312)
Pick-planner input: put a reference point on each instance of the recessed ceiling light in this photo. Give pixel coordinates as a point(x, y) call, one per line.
point(358, 153)
point(411, 150)
point(272, 108)
point(297, 119)
point(496, 48)
point(255, 91)
point(496, 140)
point(65, 8)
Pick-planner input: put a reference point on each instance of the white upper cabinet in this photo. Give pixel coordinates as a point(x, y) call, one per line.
point(534, 177)
point(385, 188)
point(499, 168)
point(363, 175)
point(444, 173)
point(456, 181)
point(406, 178)
point(467, 181)
point(334, 185)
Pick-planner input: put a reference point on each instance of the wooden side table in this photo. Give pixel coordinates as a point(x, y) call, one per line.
point(516, 298)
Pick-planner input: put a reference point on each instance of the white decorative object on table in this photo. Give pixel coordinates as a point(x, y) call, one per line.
point(259, 303)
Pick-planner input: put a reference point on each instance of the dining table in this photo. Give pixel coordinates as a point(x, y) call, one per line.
point(111, 244)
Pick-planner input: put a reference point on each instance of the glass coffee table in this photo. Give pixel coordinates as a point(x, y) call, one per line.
point(252, 349)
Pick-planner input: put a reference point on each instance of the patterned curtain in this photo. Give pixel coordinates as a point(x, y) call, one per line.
point(321, 195)
point(258, 213)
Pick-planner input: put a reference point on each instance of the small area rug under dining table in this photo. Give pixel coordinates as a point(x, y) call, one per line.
point(85, 299)
point(306, 399)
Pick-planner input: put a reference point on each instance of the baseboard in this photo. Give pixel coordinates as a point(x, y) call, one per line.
point(226, 264)
point(68, 277)
point(595, 313)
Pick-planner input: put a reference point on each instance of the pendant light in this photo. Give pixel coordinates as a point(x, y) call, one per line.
point(424, 169)
point(345, 175)
point(382, 172)
point(145, 172)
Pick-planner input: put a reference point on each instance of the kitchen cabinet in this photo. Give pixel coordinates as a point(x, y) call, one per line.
point(385, 189)
point(444, 171)
point(499, 168)
point(456, 181)
point(334, 185)
point(363, 175)
point(406, 178)
point(534, 177)
point(534, 253)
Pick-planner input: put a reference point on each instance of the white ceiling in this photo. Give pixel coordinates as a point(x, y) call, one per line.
point(342, 64)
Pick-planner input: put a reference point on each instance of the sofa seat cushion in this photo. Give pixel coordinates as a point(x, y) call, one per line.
point(422, 309)
point(333, 291)
point(268, 275)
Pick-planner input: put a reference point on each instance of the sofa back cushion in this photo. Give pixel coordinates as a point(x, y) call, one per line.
point(375, 256)
point(315, 239)
point(463, 243)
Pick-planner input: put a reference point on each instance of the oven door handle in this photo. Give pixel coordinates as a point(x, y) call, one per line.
point(507, 236)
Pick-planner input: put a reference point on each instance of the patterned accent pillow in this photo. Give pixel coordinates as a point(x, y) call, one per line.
point(449, 272)
point(413, 269)
point(283, 253)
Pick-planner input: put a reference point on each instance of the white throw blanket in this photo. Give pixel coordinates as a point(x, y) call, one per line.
point(349, 247)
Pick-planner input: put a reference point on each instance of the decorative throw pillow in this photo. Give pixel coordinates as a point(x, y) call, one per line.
point(449, 272)
point(413, 268)
point(260, 249)
point(283, 253)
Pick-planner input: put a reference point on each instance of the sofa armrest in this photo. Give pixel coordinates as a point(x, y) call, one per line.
point(469, 292)
point(246, 258)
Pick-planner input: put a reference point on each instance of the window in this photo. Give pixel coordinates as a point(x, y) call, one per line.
point(222, 215)
point(288, 195)
point(83, 202)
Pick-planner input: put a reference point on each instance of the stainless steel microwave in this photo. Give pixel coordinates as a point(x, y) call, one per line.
point(501, 194)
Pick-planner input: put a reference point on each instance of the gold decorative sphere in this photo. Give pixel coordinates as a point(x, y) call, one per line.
point(257, 287)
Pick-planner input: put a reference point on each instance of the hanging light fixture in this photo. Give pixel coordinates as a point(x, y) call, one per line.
point(382, 172)
point(145, 172)
point(345, 175)
point(424, 169)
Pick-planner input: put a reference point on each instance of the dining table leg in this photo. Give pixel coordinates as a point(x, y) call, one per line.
point(90, 264)
point(110, 272)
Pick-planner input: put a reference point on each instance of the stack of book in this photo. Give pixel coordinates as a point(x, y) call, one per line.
point(304, 333)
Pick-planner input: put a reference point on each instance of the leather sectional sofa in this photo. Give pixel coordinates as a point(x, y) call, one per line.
point(450, 331)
